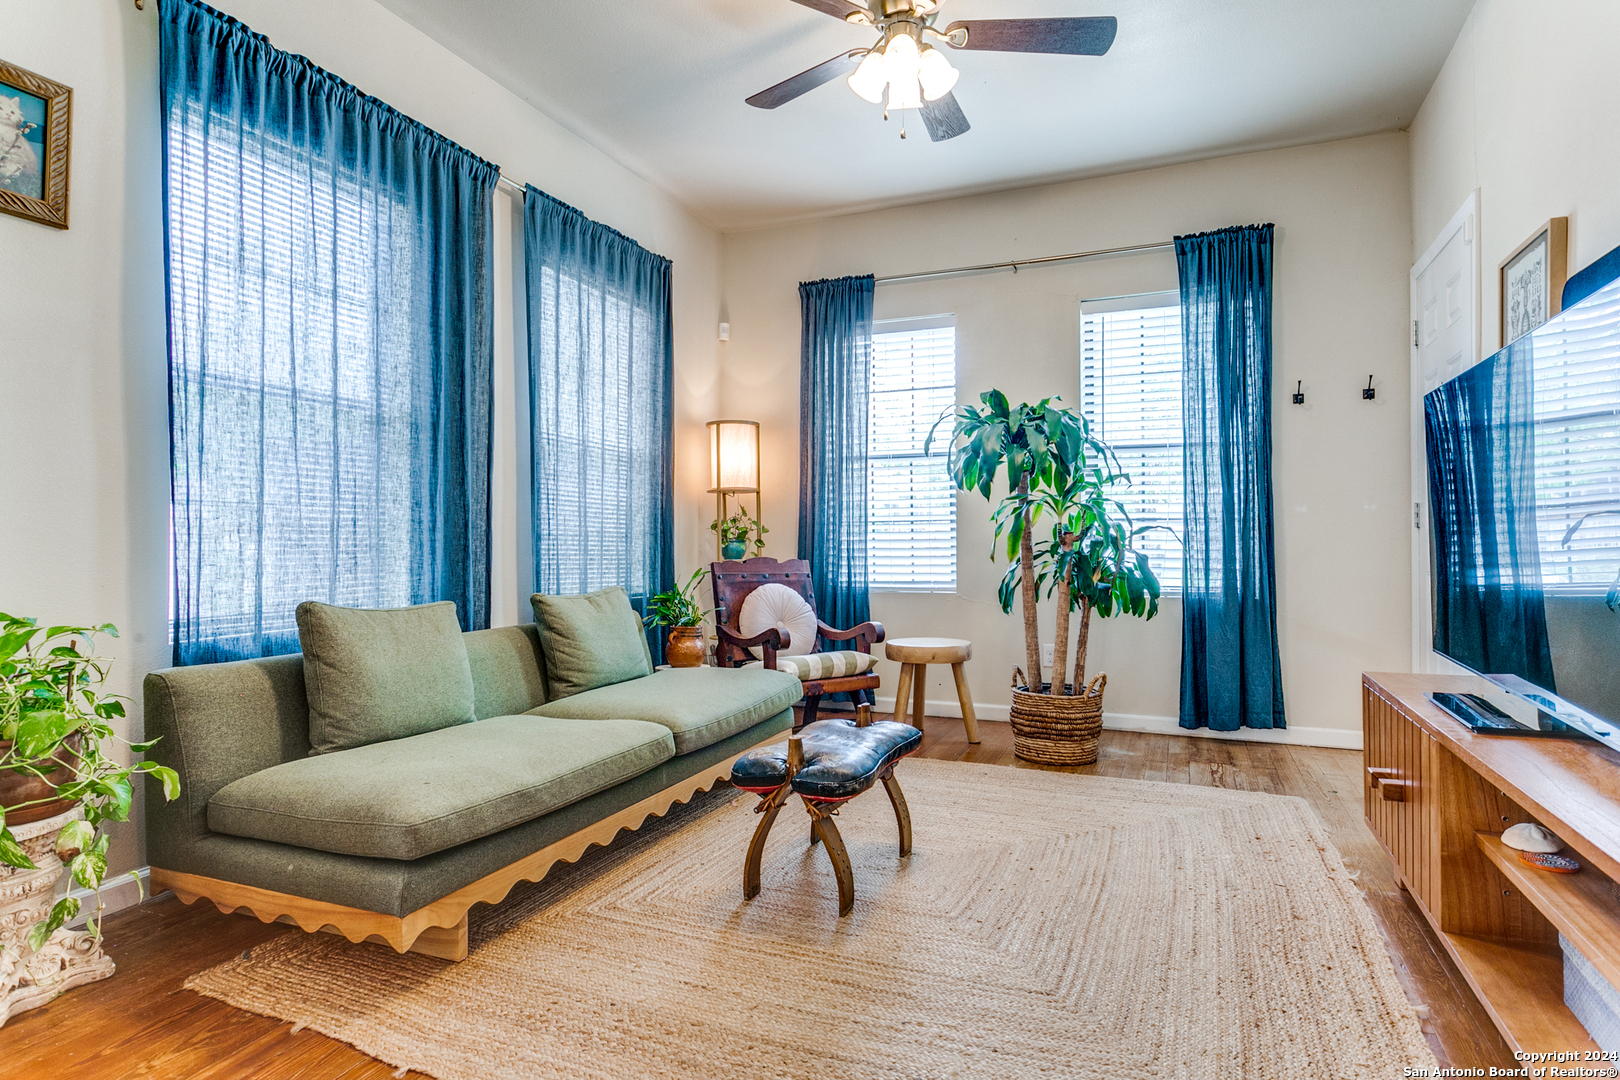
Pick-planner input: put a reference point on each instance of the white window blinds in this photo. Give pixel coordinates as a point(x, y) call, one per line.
point(1130, 392)
point(911, 524)
point(1577, 426)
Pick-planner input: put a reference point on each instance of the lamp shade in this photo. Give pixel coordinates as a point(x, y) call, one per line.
point(734, 455)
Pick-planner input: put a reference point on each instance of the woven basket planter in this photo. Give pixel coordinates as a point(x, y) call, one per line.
point(1057, 729)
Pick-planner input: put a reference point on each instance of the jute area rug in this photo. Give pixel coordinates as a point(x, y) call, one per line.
point(1046, 925)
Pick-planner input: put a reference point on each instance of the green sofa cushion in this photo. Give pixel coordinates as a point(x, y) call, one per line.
point(376, 675)
point(591, 640)
point(508, 675)
point(411, 797)
point(699, 705)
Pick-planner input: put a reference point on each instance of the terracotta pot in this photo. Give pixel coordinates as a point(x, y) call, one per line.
point(685, 646)
point(15, 789)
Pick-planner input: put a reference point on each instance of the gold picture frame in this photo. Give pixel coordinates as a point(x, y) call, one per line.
point(36, 118)
point(1531, 281)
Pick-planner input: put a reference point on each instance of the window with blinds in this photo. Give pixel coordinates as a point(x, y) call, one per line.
point(911, 523)
point(1130, 392)
point(1577, 430)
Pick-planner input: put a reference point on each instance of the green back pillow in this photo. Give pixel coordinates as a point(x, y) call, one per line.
point(591, 640)
point(378, 675)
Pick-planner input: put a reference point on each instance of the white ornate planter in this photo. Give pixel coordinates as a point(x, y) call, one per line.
point(70, 958)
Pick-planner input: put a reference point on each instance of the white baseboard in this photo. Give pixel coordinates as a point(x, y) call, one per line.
point(117, 893)
point(1335, 738)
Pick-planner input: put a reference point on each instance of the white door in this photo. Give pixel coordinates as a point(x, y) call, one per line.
point(1445, 342)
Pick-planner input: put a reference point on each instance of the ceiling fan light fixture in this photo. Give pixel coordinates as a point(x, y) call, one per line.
point(901, 61)
point(935, 74)
point(905, 94)
point(869, 79)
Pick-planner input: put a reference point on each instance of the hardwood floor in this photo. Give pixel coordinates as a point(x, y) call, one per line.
point(140, 1023)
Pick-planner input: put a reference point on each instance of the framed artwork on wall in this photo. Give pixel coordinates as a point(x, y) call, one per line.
point(35, 122)
point(1532, 280)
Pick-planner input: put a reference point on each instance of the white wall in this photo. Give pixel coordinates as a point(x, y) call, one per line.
point(1343, 220)
point(1523, 110)
point(85, 487)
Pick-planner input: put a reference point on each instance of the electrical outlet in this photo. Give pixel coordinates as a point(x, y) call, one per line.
point(1046, 655)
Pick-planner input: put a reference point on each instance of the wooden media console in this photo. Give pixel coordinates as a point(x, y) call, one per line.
point(1438, 797)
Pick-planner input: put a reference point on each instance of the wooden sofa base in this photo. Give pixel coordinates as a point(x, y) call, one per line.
point(440, 928)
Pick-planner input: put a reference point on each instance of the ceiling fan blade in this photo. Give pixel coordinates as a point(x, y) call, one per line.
point(806, 81)
point(838, 9)
point(944, 118)
point(1075, 37)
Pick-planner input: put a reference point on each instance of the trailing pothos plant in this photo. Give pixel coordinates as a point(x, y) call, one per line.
point(677, 606)
point(740, 528)
point(51, 691)
point(1055, 469)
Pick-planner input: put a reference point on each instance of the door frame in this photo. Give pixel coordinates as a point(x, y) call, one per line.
point(1466, 220)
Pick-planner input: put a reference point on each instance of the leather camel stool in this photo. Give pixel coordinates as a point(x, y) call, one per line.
point(827, 764)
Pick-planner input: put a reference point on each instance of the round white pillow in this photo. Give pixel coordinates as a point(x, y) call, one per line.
point(779, 607)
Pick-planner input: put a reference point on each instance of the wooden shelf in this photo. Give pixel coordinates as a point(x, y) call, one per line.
point(1522, 986)
point(1583, 906)
point(1498, 918)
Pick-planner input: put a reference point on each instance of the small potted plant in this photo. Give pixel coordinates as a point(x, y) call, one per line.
point(58, 790)
point(737, 531)
point(678, 609)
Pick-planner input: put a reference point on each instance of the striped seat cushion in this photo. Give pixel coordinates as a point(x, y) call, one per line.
point(823, 665)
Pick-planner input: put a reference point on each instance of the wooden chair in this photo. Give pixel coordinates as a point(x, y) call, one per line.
point(732, 581)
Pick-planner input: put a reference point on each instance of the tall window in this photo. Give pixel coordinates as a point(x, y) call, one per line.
point(911, 526)
point(600, 374)
point(330, 349)
point(1130, 391)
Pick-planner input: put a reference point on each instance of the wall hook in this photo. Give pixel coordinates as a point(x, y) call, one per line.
point(1299, 393)
point(1367, 391)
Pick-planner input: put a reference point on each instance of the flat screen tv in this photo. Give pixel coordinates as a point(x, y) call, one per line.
point(1524, 495)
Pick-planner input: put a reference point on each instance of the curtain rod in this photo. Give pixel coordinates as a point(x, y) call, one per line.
point(517, 188)
point(1016, 263)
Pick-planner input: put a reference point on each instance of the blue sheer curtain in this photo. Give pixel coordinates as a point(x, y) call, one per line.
point(330, 346)
point(601, 369)
point(1489, 608)
point(1231, 675)
point(835, 370)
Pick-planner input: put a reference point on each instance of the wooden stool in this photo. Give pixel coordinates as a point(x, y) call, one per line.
point(914, 655)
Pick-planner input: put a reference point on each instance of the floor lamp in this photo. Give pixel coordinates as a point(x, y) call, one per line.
point(733, 468)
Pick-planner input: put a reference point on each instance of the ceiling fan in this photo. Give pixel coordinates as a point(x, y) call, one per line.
point(915, 73)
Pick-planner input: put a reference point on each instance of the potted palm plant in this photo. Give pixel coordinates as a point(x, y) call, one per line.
point(679, 610)
point(59, 788)
point(1053, 468)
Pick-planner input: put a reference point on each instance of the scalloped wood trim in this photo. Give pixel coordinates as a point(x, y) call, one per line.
point(440, 928)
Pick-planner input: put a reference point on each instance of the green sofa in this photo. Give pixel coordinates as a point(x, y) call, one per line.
point(393, 841)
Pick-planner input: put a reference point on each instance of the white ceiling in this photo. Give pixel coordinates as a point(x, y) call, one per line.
point(659, 85)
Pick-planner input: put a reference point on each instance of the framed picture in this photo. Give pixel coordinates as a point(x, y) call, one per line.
point(35, 114)
point(1532, 280)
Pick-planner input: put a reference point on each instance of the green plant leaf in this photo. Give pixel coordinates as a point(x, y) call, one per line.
point(65, 909)
point(115, 788)
point(13, 643)
point(73, 839)
point(12, 854)
point(40, 731)
point(89, 867)
point(143, 747)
